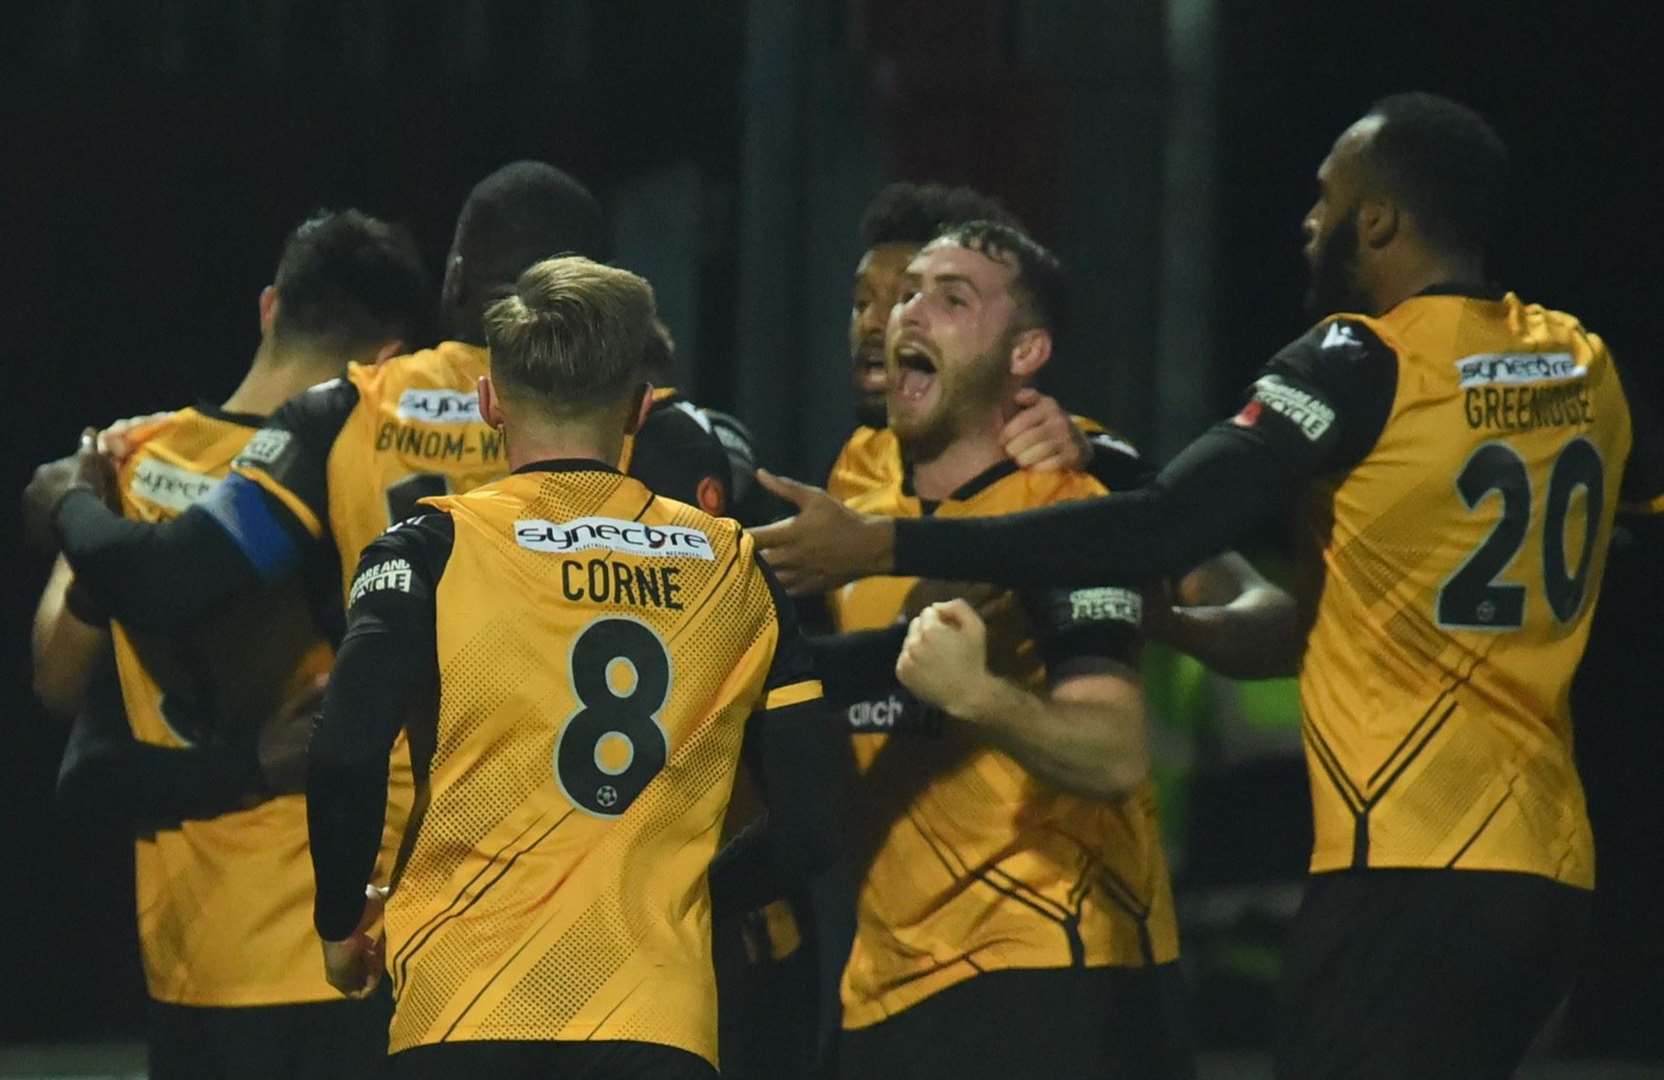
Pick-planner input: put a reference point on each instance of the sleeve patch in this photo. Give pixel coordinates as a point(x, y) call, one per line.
point(265, 447)
point(394, 574)
point(1304, 409)
point(1106, 604)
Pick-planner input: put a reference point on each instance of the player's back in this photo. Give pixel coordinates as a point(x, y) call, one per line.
point(600, 651)
point(1460, 563)
point(224, 903)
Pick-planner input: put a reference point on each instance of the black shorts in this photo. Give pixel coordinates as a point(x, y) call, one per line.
point(1424, 973)
point(1083, 1023)
point(549, 1061)
point(326, 1040)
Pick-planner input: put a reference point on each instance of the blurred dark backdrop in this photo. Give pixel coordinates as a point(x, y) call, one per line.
point(157, 155)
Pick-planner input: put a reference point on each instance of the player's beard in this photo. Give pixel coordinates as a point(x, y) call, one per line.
point(966, 399)
point(1334, 285)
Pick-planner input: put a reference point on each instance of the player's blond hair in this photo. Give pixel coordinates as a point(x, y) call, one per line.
point(572, 335)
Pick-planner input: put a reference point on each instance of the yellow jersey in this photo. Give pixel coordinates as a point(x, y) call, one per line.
point(969, 864)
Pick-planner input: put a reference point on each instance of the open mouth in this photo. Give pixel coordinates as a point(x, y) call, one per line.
point(915, 371)
point(870, 376)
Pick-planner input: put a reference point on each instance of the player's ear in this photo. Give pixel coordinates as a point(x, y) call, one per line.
point(491, 410)
point(1378, 222)
point(268, 308)
point(1030, 352)
point(643, 404)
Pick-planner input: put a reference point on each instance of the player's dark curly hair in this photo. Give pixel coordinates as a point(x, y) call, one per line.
point(908, 213)
point(347, 280)
point(1040, 285)
point(1447, 164)
point(524, 212)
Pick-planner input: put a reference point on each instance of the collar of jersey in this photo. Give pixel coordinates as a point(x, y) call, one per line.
point(566, 465)
point(214, 412)
point(983, 480)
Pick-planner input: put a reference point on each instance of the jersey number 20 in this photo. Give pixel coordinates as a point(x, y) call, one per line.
point(1473, 598)
point(610, 749)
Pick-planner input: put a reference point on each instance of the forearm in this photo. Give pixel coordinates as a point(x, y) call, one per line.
point(161, 578)
point(1255, 636)
point(1089, 746)
point(64, 646)
point(1219, 487)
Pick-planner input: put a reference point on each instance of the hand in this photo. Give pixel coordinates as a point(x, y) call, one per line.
point(85, 468)
point(120, 439)
point(1042, 437)
point(354, 966)
point(945, 658)
point(928, 591)
point(285, 736)
point(826, 544)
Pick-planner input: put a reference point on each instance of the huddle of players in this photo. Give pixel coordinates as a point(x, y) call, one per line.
point(553, 904)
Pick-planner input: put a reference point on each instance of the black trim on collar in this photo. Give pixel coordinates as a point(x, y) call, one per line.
point(567, 465)
point(988, 477)
point(1481, 291)
point(216, 412)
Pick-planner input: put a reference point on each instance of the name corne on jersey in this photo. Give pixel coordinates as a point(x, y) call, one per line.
point(629, 537)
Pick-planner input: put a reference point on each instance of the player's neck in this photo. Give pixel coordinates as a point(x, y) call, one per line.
point(273, 379)
point(1420, 271)
point(529, 444)
point(968, 456)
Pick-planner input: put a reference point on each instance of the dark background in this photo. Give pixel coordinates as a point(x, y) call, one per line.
point(157, 155)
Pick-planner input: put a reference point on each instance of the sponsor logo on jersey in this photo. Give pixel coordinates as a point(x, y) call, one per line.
point(629, 537)
point(1312, 416)
point(392, 574)
point(1495, 369)
point(266, 447)
point(439, 406)
point(874, 715)
point(169, 485)
point(1106, 604)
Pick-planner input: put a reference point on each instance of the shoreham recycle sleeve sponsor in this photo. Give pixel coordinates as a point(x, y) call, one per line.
point(1300, 407)
point(392, 574)
point(613, 534)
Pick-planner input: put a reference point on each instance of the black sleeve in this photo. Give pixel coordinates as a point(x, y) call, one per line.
point(800, 758)
point(293, 448)
point(1099, 622)
point(1116, 465)
point(240, 534)
point(387, 661)
point(1317, 408)
point(678, 457)
point(858, 671)
point(109, 775)
point(1643, 483)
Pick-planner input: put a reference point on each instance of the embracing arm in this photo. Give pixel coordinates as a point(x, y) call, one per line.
point(1231, 618)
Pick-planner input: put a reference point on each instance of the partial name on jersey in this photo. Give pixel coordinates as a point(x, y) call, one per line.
point(613, 534)
point(1494, 369)
point(439, 406)
point(169, 485)
point(392, 574)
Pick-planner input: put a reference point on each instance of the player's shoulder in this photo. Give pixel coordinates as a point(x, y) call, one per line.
point(450, 365)
point(1026, 489)
point(421, 543)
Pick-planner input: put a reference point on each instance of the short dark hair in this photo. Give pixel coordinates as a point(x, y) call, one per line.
point(574, 333)
point(347, 280)
point(524, 212)
point(1040, 285)
point(1447, 164)
point(908, 213)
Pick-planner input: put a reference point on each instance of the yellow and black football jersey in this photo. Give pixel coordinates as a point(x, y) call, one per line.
point(1452, 577)
point(598, 652)
point(871, 459)
point(224, 904)
point(678, 454)
point(968, 863)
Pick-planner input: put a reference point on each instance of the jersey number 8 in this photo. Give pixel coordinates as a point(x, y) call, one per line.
point(613, 746)
point(1473, 598)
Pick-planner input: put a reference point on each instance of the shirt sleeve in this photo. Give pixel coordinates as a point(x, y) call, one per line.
point(680, 458)
point(1096, 622)
point(288, 459)
point(387, 663)
point(109, 775)
point(1317, 408)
